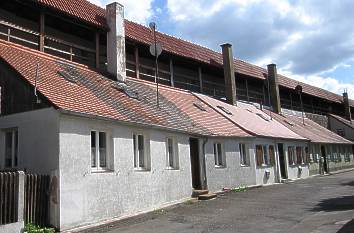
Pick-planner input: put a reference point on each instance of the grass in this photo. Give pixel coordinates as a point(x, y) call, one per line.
point(32, 228)
point(239, 189)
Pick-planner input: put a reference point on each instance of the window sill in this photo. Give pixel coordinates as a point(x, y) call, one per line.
point(244, 165)
point(141, 169)
point(220, 166)
point(265, 166)
point(172, 169)
point(102, 171)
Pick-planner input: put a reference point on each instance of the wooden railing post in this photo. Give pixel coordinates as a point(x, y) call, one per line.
point(21, 196)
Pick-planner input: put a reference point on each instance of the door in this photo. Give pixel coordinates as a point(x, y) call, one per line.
point(324, 157)
point(195, 163)
point(282, 162)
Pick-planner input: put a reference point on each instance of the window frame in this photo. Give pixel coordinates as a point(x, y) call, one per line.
point(244, 154)
point(108, 151)
point(136, 158)
point(292, 156)
point(175, 159)
point(219, 159)
point(14, 153)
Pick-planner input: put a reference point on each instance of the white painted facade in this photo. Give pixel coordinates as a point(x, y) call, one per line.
point(294, 170)
point(88, 197)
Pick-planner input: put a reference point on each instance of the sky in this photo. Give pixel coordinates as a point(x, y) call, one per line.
point(310, 40)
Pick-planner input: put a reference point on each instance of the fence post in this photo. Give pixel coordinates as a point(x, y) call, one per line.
point(21, 196)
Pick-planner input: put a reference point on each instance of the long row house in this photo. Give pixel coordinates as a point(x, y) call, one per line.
point(80, 102)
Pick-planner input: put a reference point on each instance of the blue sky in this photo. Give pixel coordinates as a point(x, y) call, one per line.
point(310, 40)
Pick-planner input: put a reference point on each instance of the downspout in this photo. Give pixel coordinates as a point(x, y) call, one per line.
point(204, 181)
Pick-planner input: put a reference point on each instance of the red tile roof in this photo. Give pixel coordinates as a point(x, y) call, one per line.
point(93, 94)
point(343, 120)
point(249, 118)
point(311, 130)
point(95, 15)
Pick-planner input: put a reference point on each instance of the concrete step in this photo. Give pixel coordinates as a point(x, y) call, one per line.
point(207, 196)
point(197, 193)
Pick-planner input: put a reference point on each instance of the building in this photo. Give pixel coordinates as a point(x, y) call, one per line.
point(326, 150)
point(78, 103)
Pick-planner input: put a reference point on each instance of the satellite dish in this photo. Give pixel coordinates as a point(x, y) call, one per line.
point(158, 49)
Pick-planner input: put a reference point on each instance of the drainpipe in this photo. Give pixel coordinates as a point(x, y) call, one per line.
point(204, 181)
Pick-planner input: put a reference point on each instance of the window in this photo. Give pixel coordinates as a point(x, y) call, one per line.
point(11, 148)
point(271, 155)
point(218, 155)
point(259, 155)
point(299, 155)
point(308, 158)
point(140, 161)
point(244, 159)
point(265, 155)
point(291, 155)
point(171, 153)
point(99, 150)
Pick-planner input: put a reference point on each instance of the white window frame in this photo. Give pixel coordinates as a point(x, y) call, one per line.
point(14, 149)
point(293, 156)
point(109, 160)
point(145, 160)
point(174, 164)
point(266, 157)
point(219, 155)
point(244, 154)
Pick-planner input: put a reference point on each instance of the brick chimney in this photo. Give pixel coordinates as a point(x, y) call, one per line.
point(347, 112)
point(116, 63)
point(229, 74)
point(274, 88)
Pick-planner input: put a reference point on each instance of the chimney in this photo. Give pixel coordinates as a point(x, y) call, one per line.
point(229, 74)
point(348, 114)
point(274, 88)
point(116, 41)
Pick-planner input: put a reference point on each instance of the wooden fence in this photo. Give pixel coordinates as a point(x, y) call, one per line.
point(8, 197)
point(37, 199)
point(24, 197)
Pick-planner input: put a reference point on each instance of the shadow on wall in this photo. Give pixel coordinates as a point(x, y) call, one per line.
point(336, 204)
point(348, 227)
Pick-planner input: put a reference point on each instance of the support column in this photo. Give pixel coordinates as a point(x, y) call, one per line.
point(171, 73)
point(137, 62)
point(200, 79)
point(97, 50)
point(41, 31)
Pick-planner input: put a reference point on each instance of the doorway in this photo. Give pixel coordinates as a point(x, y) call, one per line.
point(195, 163)
point(282, 162)
point(323, 153)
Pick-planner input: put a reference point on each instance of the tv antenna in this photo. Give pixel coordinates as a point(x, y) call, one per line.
point(155, 50)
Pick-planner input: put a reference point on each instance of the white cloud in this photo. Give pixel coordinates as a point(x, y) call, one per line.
point(138, 11)
point(305, 38)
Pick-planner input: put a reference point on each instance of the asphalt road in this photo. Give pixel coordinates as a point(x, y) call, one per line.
point(315, 205)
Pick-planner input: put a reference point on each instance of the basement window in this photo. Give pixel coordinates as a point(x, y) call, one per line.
point(11, 148)
point(200, 107)
point(225, 110)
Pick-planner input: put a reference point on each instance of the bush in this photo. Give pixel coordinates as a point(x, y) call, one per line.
point(31, 228)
